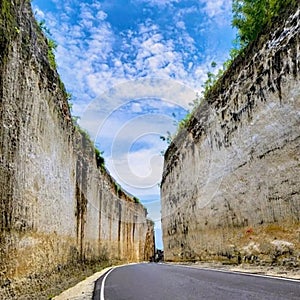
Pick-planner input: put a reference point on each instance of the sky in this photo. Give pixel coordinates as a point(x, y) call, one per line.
point(133, 67)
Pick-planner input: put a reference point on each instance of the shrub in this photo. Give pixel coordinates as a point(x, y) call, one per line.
point(250, 17)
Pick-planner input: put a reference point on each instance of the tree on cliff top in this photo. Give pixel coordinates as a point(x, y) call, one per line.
point(251, 16)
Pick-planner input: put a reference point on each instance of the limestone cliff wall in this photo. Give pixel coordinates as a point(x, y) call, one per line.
point(58, 209)
point(231, 184)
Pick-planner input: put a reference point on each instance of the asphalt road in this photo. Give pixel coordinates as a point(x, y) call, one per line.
point(172, 282)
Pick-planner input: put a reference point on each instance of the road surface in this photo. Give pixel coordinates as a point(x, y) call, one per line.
point(171, 282)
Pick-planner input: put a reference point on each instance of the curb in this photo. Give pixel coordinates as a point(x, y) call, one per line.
point(82, 290)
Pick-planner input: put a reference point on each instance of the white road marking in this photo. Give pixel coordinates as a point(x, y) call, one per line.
point(103, 283)
point(238, 272)
point(106, 275)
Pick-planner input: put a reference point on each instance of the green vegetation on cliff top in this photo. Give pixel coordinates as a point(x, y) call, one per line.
point(251, 17)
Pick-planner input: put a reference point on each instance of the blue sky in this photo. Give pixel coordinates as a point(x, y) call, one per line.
point(133, 67)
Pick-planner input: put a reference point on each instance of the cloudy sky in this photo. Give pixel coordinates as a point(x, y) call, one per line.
point(133, 67)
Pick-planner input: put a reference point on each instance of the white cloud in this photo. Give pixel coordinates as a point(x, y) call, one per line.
point(92, 58)
point(38, 13)
point(181, 25)
point(101, 15)
point(218, 11)
point(138, 170)
point(159, 3)
point(84, 48)
point(215, 8)
point(136, 108)
point(157, 55)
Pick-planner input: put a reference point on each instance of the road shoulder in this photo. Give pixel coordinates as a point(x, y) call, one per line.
point(83, 290)
point(274, 271)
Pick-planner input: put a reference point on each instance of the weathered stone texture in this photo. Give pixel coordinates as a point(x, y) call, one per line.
point(57, 208)
point(231, 184)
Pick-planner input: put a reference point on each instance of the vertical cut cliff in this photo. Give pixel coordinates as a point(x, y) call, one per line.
point(231, 185)
point(58, 208)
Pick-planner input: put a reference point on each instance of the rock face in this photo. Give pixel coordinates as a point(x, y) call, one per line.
point(58, 206)
point(231, 184)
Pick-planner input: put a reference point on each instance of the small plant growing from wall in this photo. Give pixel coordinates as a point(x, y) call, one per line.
point(88, 142)
point(99, 159)
point(52, 45)
point(136, 200)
